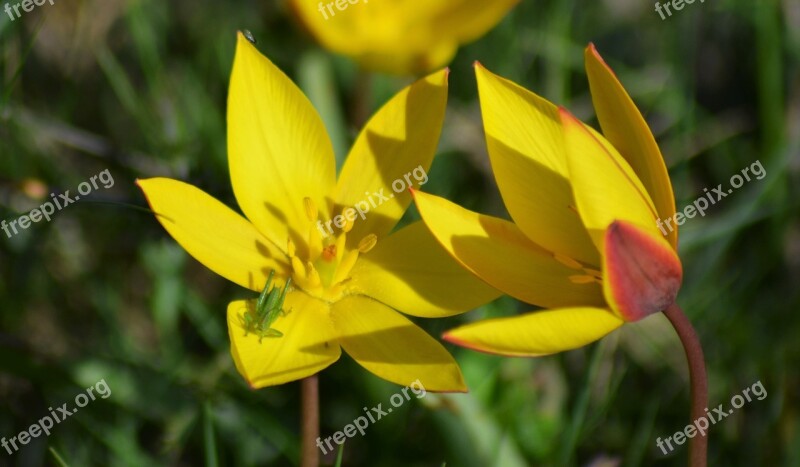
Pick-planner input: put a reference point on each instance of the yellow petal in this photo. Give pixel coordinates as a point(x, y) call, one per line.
point(605, 187)
point(393, 153)
point(625, 128)
point(468, 20)
point(538, 333)
point(399, 37)
point(642, 273)
point(526, 147)
point(392, 347)
point(410, 272)
point(498, 252)
point(278, 150)
point(308, 344)
point(213, 234)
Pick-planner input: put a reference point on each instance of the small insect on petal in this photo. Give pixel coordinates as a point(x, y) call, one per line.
point(643, 272)
point(249, 36)
point(258, 319)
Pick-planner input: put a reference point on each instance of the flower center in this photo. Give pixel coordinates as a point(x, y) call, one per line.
point(325, 272)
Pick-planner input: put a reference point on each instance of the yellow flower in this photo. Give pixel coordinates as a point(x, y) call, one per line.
point(348, 280)
point(584, 242)
point(398, 36)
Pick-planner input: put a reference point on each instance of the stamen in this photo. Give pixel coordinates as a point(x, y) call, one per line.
point(311, 209)
point(567, 261)
point(347, 263)
point(367, 243)
point(582, 279)
point(348, 224)
point(299, 269)
point(594, 272)
point(313, 276)
point(341, 244)
point(314, 243)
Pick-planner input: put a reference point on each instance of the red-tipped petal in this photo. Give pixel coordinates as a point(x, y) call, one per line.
point(642, 273)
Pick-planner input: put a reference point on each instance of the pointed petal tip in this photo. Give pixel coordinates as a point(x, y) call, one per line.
point(592, 53)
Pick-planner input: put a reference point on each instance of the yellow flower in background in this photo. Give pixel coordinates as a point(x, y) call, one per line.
point(584, 242)
point(348, 283)
point(399, 36)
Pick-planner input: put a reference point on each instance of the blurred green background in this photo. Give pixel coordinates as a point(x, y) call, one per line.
point(138, 87)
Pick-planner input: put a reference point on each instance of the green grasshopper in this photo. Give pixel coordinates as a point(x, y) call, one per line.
point(268, 306)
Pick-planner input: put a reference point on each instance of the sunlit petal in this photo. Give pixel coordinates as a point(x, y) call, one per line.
point(526, 147)
point(537, 333)
point(392, 347)
point(624, 126)
point(278, 150)
point(605, 187)
point(412, 273)
point(212, 233)
point(308, 344)
point(396, 147)
point(497, 252)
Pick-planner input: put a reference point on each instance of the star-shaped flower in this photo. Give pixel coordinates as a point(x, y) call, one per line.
point(348, 276)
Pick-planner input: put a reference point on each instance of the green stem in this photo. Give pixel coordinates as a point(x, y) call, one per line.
point(698, 380)
point(310, 421)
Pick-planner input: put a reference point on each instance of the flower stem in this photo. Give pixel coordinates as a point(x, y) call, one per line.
point(310, 421)
point(361, 99)
point(698, 446)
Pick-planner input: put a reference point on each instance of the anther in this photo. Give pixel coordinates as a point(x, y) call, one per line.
point(582, 279)
point(567, 261)
point(367, 243)
point(348, 224)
